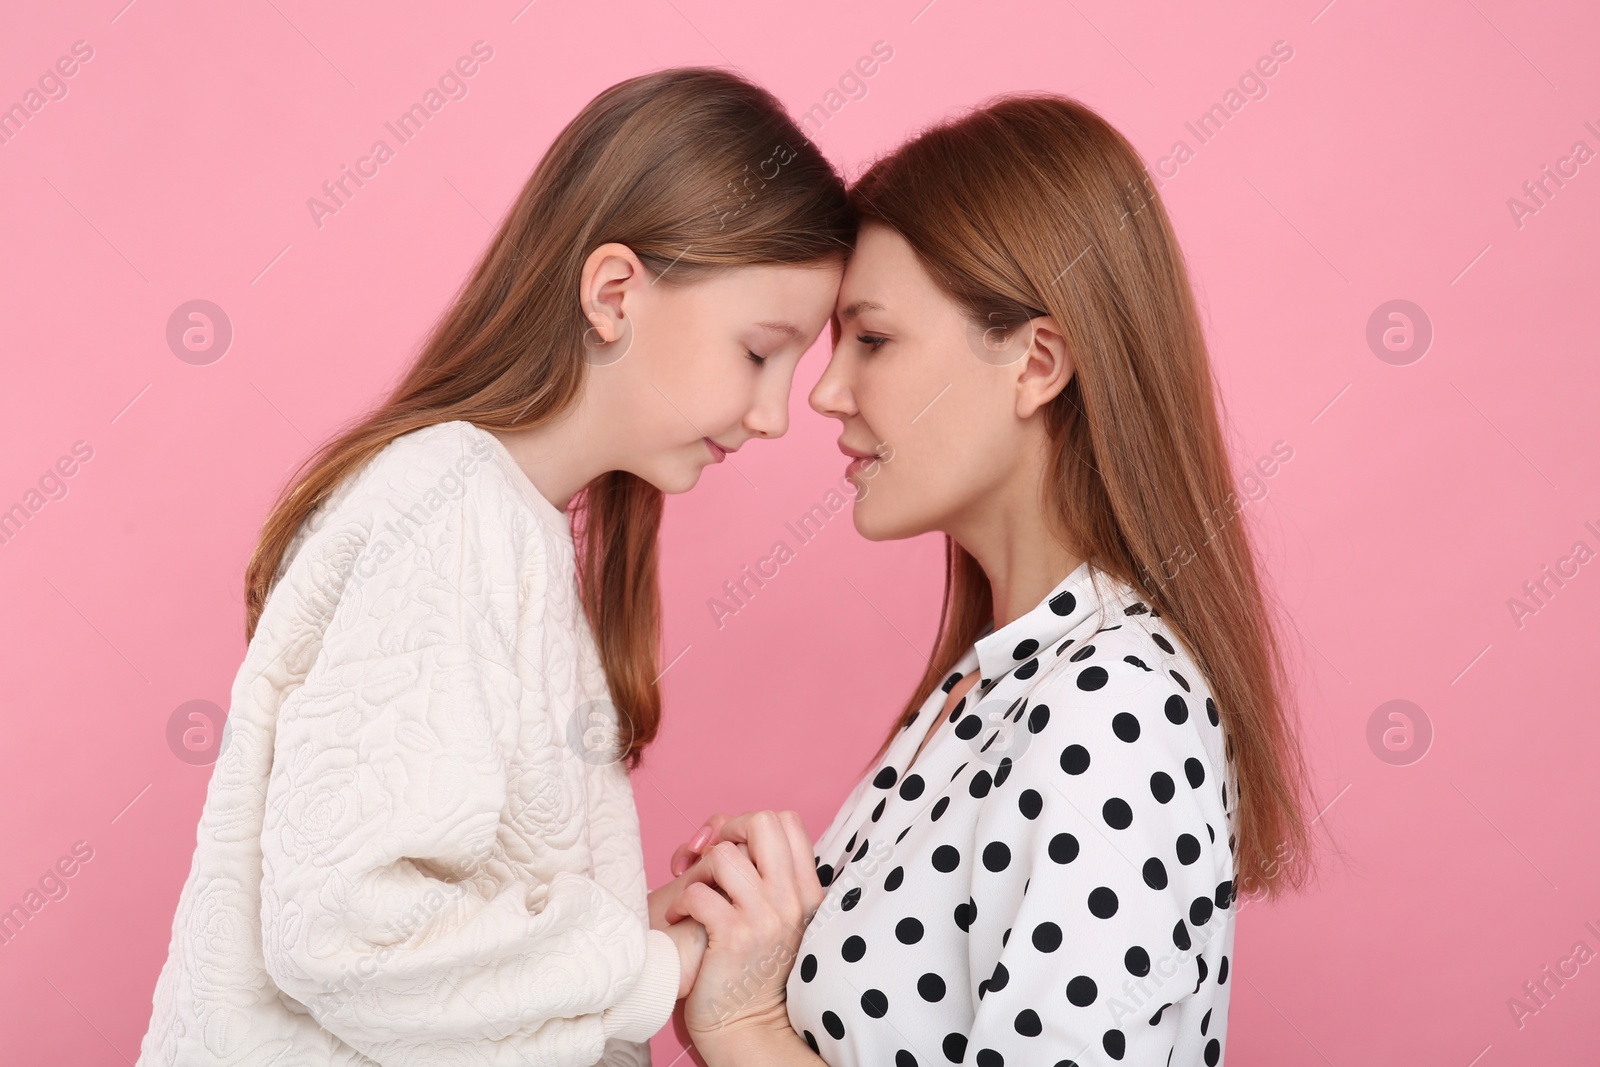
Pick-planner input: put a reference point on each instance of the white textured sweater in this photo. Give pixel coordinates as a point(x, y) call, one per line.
point(416, 847)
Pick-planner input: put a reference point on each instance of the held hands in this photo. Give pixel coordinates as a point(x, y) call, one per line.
point(744, 892)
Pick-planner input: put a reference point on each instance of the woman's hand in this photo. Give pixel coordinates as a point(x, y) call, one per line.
point(753, 931)
point(691, 850)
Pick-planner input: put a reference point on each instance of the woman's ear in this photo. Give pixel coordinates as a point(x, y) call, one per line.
point(611, 280)
point(1046, 368)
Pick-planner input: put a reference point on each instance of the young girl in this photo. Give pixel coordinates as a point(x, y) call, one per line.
point(419, 844)
point(1042, 864)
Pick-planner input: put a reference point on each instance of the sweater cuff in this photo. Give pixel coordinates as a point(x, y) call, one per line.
point(646, 1007)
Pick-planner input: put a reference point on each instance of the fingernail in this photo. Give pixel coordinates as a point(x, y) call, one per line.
point(700, 839)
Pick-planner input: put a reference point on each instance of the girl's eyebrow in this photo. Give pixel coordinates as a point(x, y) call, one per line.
point(858, 307)
point(787, 328)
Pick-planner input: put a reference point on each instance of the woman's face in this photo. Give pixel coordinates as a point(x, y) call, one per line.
point(915, 383)
point(701, 367)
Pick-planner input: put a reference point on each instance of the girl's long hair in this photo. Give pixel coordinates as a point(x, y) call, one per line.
point(694, 169)
point(1034, 205)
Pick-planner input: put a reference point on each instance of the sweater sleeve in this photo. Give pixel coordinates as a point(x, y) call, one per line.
point(1104, 886)
point(388, 910)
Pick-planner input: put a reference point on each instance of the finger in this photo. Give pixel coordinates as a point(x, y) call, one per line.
point(805, 861)
point(682, 859)
point(700, 871)
point(707, 907)
point(736, 876)
point(773, 858)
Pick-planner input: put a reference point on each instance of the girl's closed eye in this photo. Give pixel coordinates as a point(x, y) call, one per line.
point(758, 360)
point(871, 340)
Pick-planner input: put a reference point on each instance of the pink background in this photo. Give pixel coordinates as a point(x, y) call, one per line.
point(1418, 500)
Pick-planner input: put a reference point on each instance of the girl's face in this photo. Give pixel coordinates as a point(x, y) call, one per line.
point(690, 372)
point(947, 409)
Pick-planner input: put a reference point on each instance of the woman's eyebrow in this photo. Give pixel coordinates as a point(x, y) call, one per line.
point(787, 328)
point(852, 310)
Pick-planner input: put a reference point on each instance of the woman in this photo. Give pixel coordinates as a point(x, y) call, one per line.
point(418, 845)
point(1041, 866)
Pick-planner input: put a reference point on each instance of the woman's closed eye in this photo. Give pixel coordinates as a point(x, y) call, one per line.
point(871, 340)
point(759, 360)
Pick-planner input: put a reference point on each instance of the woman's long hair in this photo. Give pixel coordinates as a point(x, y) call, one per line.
point(694, 169)
point(1033, 205)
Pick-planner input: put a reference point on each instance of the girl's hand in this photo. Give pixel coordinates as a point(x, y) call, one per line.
point(691, 850)
point(753, 933)
point(690, 937)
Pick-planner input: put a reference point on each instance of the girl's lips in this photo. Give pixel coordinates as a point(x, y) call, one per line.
point(717, 451)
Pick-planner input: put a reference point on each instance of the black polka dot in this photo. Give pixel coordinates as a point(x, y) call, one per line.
point(1082, 991)
point(808, 968)
point(939, 806)
point(996, 856)
point(950, 682)
point(860, 851)
point(833, 1024)
point(1155, 873)
point(885, 778)
point(998, 980)
point(930, 987)
point(1137, 960)
point(1224, 895)
point(1125, 726)
point(1092, 678)
point(955, 1047)
point(853, 948)
point(1028, 669)
point(1047, 937)
point(1213, 1052)
point(1205, 1022)
point(955, 712)
point(911, 788)
point(1195, 771)
point(1038, 718)
point(1063, 603)
point(1180, 679)
point(1177, 709)
point(850, 899)
point(1188, 849)
point(1103, 903)
point(874, 1004)
point(811, 1041)
point(980, 785)
point(947, 859)
point(1063, 848)
point(1117, 814)
point(896, 876)
point(1162, 643)
point(1114, 1043)
point(1222, 971)
point(1027, 1023)
point(1082, 654)
point(1180, 936)
point(908, 931)
point(968, 727)
point(877, 812)
point(904, 1059)
point(1162, 786)
point(1211, 711)
point(1030, 803)
point(1074, 759)
point(825, 875)
point(1200, 911)
point(1025, 648)
point(965, 913)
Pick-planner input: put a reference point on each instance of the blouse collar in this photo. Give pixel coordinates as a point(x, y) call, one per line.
point(1016, 643)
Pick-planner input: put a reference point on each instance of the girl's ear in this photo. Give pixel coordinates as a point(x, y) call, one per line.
point(610, 283)
point(1046, 368)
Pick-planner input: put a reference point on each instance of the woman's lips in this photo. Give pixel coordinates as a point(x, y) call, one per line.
point(718, 453)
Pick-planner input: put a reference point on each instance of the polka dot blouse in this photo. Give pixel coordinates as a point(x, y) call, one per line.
point(1051, 880)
